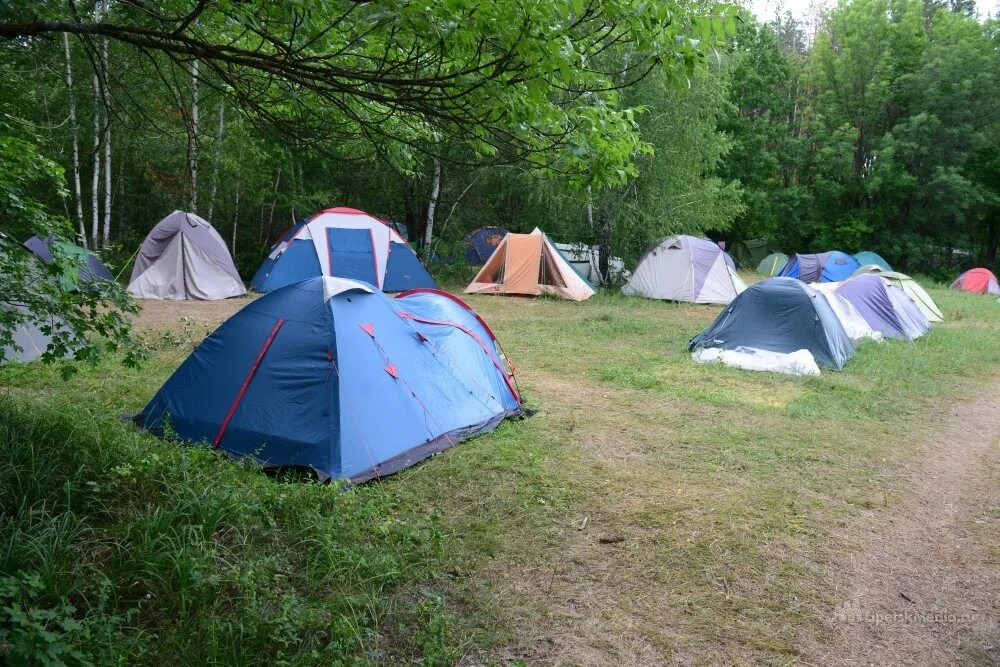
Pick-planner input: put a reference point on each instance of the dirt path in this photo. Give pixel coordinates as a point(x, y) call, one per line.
point(925, 589)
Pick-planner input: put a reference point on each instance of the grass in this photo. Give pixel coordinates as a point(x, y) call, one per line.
point(654, 510)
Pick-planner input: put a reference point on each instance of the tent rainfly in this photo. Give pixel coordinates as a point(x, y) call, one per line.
point(183, 257)
point(530, 265)
point(480, 244)
point(686, 268)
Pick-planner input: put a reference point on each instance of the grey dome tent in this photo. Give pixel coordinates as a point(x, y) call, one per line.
point(183, 257)
point(780, 315)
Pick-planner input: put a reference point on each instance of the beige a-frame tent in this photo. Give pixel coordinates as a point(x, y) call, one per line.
point(529, 265)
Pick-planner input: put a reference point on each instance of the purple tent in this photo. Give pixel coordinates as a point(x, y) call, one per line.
point(885, 307)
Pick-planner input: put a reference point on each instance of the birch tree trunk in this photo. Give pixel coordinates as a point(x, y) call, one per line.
point(215, 160)
point(71, 101)
point(431, 208)
point(193, 139)
point(106, 89)
point(95, 193)
point(236, 219)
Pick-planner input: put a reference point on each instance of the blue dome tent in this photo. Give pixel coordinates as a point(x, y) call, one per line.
point(343, 243)
point(780, 315)
point(825, 267)
point(332, 375)
point(480, 244)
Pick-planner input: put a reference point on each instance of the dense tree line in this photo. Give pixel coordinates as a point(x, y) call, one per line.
point(874, 126)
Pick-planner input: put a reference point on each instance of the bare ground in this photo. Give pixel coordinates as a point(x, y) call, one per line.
point(925, 589)
point(158, 315)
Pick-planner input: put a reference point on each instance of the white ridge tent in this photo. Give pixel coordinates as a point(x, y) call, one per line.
point(183, 257)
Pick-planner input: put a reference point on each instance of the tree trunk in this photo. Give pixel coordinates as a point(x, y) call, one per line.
point(410, 209)
point(274, 202)
point(106, 88)
point(193, 140)
point(215, 160)
point(431, 208)
point(236, 219)
point(992, 243)
point(71, 101)
point(95, 193)
point(604, 245)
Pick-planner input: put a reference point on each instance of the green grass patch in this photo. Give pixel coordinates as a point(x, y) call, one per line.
point(735, 491)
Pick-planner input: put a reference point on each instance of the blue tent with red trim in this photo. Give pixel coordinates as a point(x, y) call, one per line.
point(333, 375)
point(344, 243)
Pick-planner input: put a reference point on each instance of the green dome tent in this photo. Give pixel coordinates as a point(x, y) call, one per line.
point(772, 264)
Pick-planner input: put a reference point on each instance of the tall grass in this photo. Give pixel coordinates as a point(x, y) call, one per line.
point(118, 548)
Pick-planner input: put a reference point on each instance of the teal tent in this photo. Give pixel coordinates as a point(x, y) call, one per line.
point(868, 257)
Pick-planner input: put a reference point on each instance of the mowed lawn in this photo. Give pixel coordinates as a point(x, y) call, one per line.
point(653, 510)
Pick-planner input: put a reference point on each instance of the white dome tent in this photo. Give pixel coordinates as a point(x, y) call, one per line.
point(685, 268)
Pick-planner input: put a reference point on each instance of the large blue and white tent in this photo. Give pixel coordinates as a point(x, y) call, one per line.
point(333, 375)
point(825, 267)
point(343, 243)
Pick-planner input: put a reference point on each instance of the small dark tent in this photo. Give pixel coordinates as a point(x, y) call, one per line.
point(480, 244)
point(780, 315)
point(93, 269)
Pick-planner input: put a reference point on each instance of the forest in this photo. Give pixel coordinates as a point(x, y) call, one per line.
point(871, 125)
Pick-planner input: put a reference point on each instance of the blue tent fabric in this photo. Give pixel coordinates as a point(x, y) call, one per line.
point(867, 257)
point(481, 243)
point(331, 374)
point(825, 267)
point(405, 272)
point(342, 243)
point(780, 315)
point(94, 271)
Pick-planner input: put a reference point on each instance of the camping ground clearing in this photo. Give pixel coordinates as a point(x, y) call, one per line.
point(653, 511)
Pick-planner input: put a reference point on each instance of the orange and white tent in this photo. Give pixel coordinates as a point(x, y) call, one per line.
point(530, 265)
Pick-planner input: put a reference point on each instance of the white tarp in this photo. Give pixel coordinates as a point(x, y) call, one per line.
point(800, 362)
